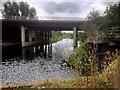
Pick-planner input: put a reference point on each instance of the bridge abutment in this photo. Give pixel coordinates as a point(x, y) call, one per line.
point(30, 36)
point(22, 34)
point(74, 37)
point(36, 35)
point(41, 37)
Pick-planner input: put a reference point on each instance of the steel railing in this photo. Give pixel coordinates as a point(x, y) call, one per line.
point(45, 18)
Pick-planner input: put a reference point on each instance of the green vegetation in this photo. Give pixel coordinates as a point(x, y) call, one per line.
point(82, 36)
point(70, 35)
point(107, 79)
point(77, 54)
point(59, 38)
point(19, 10)
point(84, 61)
point(113, 15)
point(58, 35)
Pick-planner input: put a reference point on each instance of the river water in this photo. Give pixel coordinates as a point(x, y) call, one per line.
point(37, 63)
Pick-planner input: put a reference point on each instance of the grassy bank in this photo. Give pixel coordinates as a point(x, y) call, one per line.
point(77, 55)
point(89, 75)
point(59, 38)
point(107, 79)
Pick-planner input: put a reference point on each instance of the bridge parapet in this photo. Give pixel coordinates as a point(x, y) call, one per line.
point(47, 18)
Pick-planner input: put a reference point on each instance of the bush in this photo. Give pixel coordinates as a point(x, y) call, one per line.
point(82, 60)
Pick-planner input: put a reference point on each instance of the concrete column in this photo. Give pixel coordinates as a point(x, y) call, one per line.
point(41, 35)
point(45, 51)
point(45, 35)
point(36, 35)
point(22, 34)
point(48, 35)
point(30, 35)
point(74, 37)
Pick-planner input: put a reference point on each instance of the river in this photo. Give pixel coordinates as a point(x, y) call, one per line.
point(48, 64)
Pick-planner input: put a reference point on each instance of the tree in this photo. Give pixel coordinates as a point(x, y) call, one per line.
point(10, 10)
point(95, 25)
point(20, 10)
point(82, 36)
point(94, 16)
point(56, 34)
point(24, 9)
point(32, 12)
point(113, 15)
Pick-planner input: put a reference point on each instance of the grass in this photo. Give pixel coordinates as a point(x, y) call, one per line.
point(59, 38)
point(78, 56)
point(107, 79)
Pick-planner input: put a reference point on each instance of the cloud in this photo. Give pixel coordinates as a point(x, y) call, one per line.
point(74, 9)
point(65, 7)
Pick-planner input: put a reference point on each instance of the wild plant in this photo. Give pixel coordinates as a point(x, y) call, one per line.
point(85, 61)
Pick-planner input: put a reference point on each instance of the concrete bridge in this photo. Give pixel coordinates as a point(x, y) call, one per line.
point(20, 31)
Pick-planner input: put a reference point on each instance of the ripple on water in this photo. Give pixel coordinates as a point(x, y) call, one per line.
point(39, 68)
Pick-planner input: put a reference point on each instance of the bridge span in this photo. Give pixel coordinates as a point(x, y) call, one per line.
point(20, 31)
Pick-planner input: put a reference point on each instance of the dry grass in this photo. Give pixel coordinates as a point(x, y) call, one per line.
point(107, 79)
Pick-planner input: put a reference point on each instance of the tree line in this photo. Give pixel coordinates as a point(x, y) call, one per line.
point(20, 10)
point(98, 25)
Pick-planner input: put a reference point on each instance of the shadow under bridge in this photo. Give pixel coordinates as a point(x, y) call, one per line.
point(34, 32)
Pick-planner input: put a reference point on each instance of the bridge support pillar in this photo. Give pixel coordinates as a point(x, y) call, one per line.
point(48, 35)
point(74, 37)
point(30, 36)
point(22, 34)
point(36, 35)
point(41, 35)
point(45, 35)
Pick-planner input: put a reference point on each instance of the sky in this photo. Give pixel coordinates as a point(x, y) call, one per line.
point(65, 8)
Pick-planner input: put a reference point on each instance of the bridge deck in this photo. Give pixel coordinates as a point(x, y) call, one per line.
point(43, 24)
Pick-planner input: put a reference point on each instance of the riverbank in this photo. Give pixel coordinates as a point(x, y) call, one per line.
point(38, 68)
point(33, 84)
point(59, 38)
point(107, 79)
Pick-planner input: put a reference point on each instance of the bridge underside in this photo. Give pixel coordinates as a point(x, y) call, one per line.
point(33, 32)
point(43, 24)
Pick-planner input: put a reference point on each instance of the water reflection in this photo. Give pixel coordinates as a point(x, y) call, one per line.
point(44, 51)
point(48, 62)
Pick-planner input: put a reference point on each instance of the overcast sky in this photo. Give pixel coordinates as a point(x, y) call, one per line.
point(71, 8)
point(67, 9)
